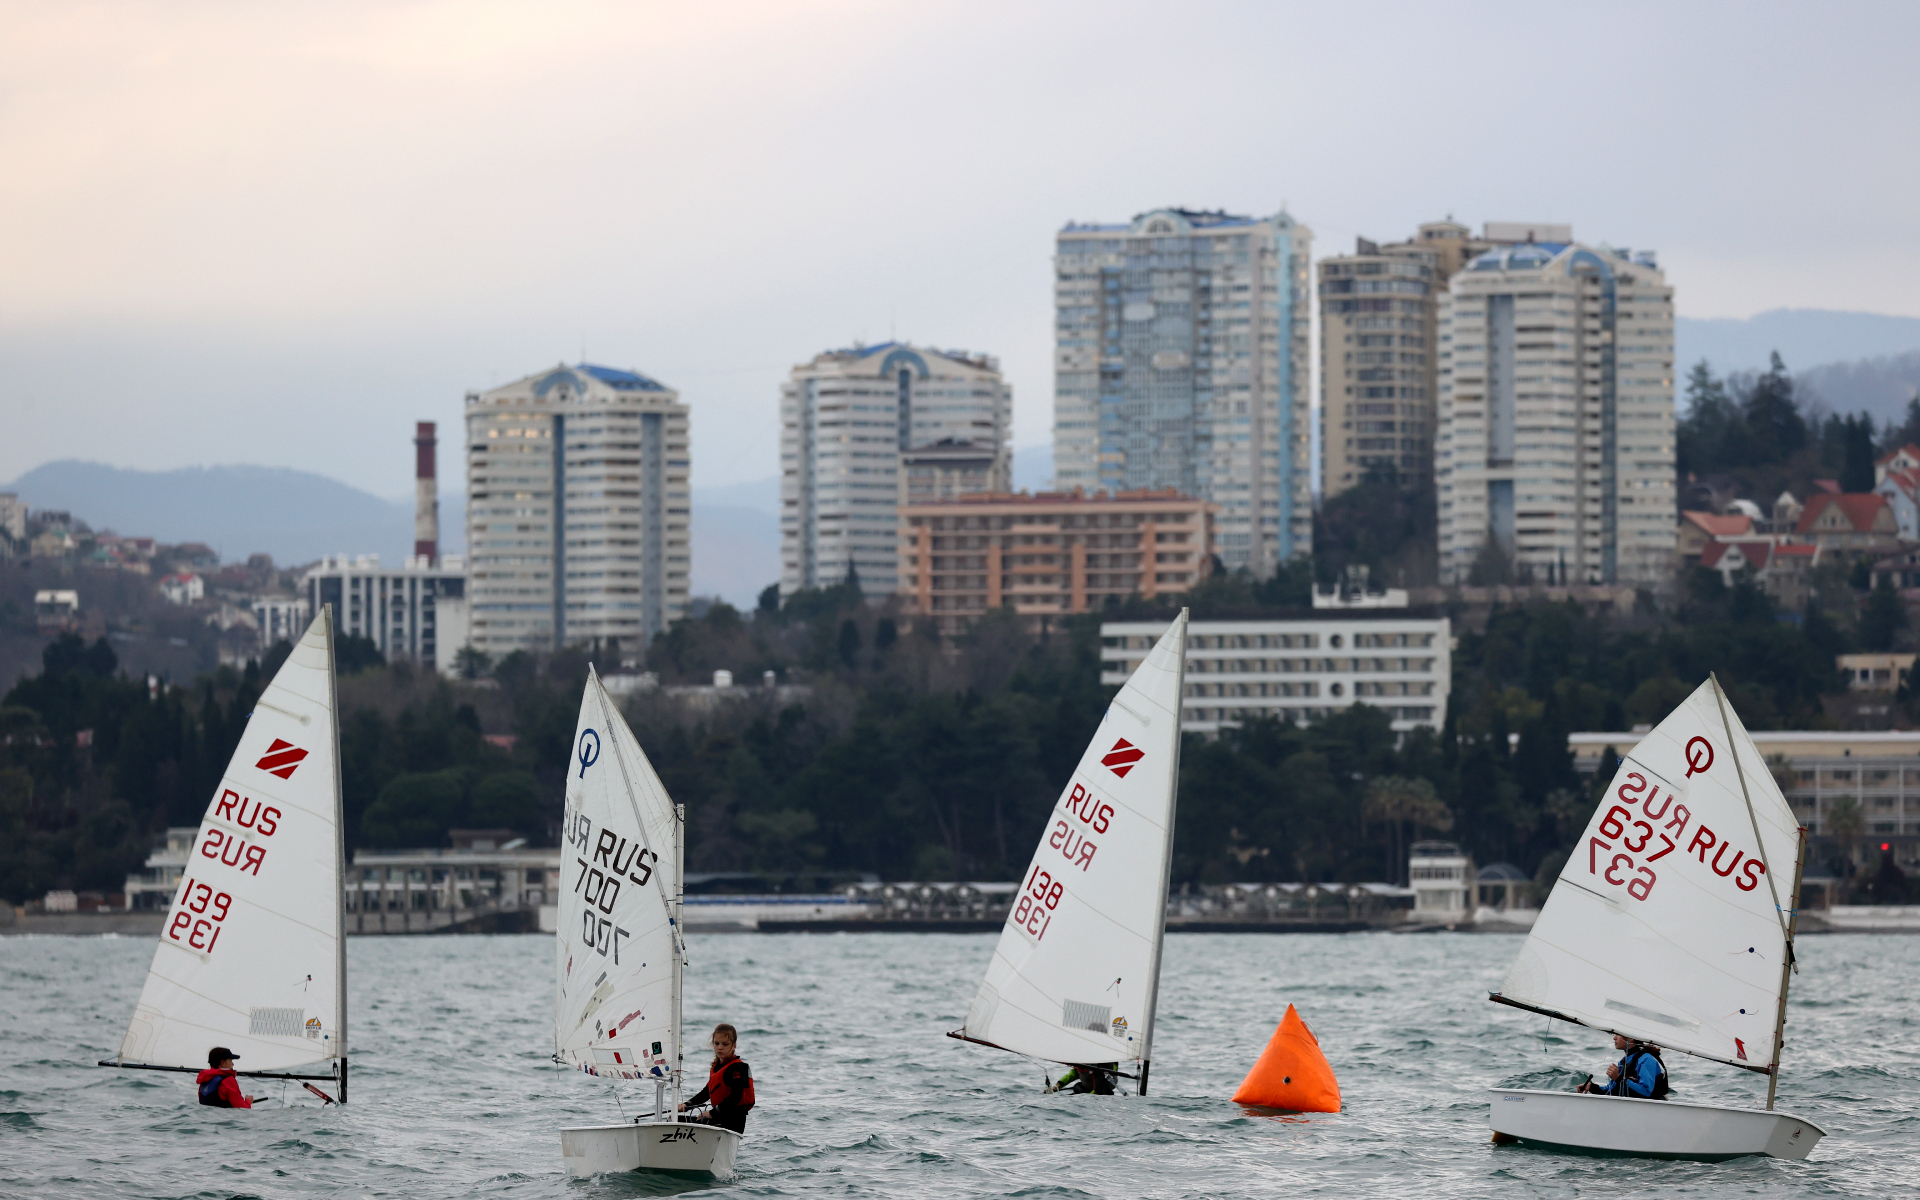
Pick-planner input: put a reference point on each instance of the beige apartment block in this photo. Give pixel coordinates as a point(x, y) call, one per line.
point(862, 430)
point(577, 510)
point(1049, 554)
point(1555, 442)
point(1379, 363)
point(1181, 360)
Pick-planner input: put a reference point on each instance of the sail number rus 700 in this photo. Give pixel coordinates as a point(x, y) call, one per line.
point(1659, 830)
point(615, 862)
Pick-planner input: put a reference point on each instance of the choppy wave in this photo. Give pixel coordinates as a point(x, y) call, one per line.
point(860, 1094)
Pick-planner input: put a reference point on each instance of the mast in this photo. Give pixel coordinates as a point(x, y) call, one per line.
point(1789, 918)
point(1166, 857)
point(339, 857)
point(679, 943)
point(1787, 967)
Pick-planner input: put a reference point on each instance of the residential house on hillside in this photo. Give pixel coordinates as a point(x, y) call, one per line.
point(182, 588)
point(1853, 523)
point(1782, 568)
point(1699, 528)
point(1897, 477)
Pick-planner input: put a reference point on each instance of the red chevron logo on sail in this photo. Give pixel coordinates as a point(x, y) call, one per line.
point(1121, 758)
point(281, 759)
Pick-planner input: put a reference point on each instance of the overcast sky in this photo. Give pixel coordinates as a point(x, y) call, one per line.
point(280, 233)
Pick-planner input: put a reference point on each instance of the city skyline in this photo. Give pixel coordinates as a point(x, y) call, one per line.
point(241, 217)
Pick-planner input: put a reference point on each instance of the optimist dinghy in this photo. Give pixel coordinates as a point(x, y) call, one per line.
point(1076, 972)
point(619, 954)
point(1671, 925)
point(251, 956)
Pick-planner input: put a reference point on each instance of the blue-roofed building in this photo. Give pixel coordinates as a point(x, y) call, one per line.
point(1554, 459)
point(577, 511)
point(858, 427)
point(1181, 361)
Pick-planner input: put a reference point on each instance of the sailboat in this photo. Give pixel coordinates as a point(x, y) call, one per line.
point(1076, 973)
point(620, 951)
point(251, 955)
point(1671, 924)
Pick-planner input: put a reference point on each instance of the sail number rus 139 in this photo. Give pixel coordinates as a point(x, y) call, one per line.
point(198, 916)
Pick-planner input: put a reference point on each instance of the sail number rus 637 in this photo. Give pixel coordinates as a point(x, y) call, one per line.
point(615, 862)
point(1629, 840)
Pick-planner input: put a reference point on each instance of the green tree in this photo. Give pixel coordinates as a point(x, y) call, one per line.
point(1397, 803)
point(1884, 618)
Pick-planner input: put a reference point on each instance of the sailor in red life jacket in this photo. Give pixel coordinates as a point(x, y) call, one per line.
point(730, 1086)
point(219, 1086)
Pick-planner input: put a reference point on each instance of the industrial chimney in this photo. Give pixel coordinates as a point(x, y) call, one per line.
point(426, 496)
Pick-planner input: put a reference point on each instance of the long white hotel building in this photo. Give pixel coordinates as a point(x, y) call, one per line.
point(577, 510)
point(847, 419)
point(1556, 434)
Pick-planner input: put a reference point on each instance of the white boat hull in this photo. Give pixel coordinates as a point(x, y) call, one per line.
point(1650, 1128)
point(680, 1147)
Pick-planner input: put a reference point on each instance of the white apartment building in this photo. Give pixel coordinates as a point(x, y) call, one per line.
point(417, 612)
point(1556, 435)
point(1180, 360)
point(848, 419)
point(577, 509)
point(1299, 669)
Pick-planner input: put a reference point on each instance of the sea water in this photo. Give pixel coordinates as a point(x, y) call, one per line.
point(861, 1094)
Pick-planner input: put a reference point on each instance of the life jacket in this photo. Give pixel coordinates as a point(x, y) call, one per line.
point(1629, 1067)
point(722, 1096)
point(210, 1081)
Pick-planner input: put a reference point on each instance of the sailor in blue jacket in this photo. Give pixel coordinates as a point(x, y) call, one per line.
point(1640, 1074)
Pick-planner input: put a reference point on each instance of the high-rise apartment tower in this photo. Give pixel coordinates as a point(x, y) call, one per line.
point(851, 421)
point(1555, 455)
point(577, 509)
point(1180, 360)
point(1379, 365)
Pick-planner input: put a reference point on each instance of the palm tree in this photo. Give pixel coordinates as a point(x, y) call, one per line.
point(1844, 823)
point(1398, 802)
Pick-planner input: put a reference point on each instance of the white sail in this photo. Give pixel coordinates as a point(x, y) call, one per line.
point(250, 956)
point(1076, 970)
point(1666, 924)
point(616, 969)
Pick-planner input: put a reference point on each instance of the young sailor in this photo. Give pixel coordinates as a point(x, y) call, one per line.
point(219, 1086)
point(1083, 1078)
point(729, 1085)
point(1639, 1074)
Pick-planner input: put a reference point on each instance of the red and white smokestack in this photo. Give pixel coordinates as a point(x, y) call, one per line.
point(426, 495)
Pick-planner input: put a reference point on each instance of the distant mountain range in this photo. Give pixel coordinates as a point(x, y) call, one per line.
point(1854, 362)
point(299, 516)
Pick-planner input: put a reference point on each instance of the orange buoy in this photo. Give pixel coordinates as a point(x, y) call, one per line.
point(1292, 1073)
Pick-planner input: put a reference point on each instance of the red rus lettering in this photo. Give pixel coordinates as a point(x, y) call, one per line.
point(1103, 818)
point(1703, 841)
point(1059, 832)
point(1085, 858)
point(237, 846)
point(1630, 793)
point(1737, 856)
point(228, 798)
point(255, 856)
point(243, 820)
point(269, 821)
point(1750, 875)
point(1680, 818)
point(210, 845)
point(1646, 806)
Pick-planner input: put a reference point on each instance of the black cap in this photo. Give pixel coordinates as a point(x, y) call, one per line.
point(218, 1055)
